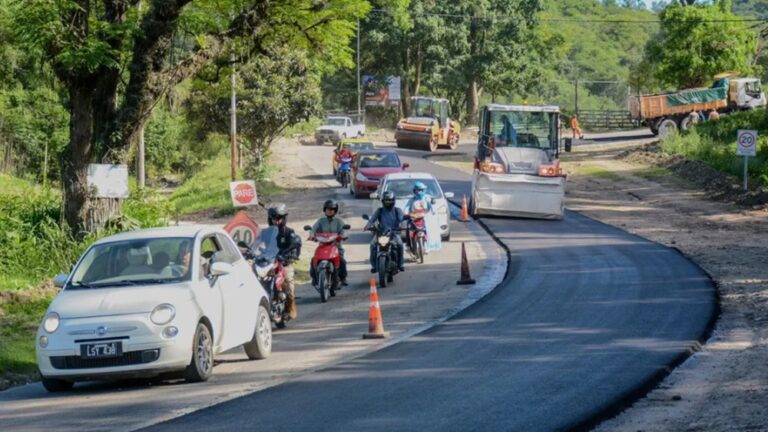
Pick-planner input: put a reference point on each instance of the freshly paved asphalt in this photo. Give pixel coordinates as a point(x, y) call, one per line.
point(587, 315)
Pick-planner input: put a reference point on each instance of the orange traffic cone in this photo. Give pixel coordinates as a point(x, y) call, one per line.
point(466, 279)
point(464, 211)
point(375, 323)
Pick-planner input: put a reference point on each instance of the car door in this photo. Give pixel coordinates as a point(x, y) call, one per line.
point(241, 296)
point(207, 289)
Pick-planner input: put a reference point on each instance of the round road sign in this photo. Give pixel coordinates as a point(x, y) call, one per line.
point(746, 142)
point(242, 228)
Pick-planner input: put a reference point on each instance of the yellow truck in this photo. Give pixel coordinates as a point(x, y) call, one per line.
point(428, 126)
point(668, 112)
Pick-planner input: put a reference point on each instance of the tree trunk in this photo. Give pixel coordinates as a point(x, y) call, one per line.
point(417, 72)
point(77, 156)
point(405, 82)
point(473, 100)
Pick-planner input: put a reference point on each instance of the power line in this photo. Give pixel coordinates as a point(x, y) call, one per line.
point(571, 20)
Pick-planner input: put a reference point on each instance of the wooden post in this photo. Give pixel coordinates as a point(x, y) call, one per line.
point(233, 124)
point(140, 171)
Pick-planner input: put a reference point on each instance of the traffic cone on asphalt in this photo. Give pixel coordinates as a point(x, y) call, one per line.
point(466, 279)
point(464, 210)
point(375, 323)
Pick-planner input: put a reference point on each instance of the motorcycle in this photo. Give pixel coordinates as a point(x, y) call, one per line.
point(417, 235)
point(271, 274)
point(386, 254)
point(345, 168)
point(326, 262)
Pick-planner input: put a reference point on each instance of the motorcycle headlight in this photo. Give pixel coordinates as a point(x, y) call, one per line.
point(163, 314)
point(360, 177)
point(51, 323)
point(262, 272)
point(383, 240)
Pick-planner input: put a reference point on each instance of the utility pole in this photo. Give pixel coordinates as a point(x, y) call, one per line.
point(359, 85)
point(233, 123)
point(576, 96)
point(141, 176)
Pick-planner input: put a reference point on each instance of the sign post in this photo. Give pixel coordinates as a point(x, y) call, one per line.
point(746, 145)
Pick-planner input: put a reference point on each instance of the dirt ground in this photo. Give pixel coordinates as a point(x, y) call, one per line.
point(724, 386)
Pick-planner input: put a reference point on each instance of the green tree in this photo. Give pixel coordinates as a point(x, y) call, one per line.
point(696, 42)
point(116, 58)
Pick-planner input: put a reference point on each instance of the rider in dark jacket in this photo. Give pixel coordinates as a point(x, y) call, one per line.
point(387, 217)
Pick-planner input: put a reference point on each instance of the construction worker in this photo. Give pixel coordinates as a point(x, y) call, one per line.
point(575, 128)
point(714, 115)
point(508, 135)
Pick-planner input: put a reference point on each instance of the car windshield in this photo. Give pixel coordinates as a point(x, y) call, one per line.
point(522, 129)
point(379, 160)
point(423, 108)
point(403, 188)
point(134, 262)
point(335, 122)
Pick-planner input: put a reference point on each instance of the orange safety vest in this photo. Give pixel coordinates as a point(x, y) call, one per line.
point(574, 123)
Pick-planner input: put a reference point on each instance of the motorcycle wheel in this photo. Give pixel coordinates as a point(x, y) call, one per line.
point(420, 250)
point(322, 284)
point(382, 272)
point(344, 179)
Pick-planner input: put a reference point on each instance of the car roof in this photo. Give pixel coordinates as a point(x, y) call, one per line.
point(524, 108)
point(164, 232)
point(410, 176)
point(375, 151)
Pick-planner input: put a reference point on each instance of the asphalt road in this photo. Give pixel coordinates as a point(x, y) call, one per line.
point(587, 315)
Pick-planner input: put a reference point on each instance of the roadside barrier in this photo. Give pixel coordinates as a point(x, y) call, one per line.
point(375, 322)
point(466, 279)
point(464, 210)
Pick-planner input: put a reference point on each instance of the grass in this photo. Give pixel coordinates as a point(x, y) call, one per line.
point(714, 143)
point(18, 323)
point(594, 171)
point(209, 189)
point(301, 270)
point(653, 173)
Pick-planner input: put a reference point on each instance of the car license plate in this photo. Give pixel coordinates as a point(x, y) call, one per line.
point(101, 350)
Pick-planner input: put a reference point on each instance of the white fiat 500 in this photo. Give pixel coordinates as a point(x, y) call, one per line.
point(151, 302)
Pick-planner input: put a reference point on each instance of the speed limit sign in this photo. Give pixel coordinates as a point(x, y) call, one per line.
point(242, 228)
point(746, 142)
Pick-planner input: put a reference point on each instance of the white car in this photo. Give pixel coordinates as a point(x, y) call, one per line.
point(402, 185)
point(150, 302)
point(337, 128)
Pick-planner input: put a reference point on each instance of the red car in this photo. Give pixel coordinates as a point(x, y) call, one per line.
point(369, 167)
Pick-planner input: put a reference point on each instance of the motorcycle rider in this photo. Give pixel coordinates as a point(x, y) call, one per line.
point(341, 154)
point(420, 202)
point(388, 217)
point(331, 224)
point(279, 240)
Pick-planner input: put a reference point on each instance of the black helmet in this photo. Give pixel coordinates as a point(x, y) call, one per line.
point(331, 204)
point(277, 211)
point(388, 199)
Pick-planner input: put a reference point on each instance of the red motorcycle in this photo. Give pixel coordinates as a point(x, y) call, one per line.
point(417, 235)
point(326, 262)
point(271, 274)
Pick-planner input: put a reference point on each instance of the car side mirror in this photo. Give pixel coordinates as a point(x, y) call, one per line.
point(374, 195)
point(307, 228)
point(449, 195)
point(60, 279)
point(365, 217)
point(406, 165)
point(346, 227)
point(221, 268)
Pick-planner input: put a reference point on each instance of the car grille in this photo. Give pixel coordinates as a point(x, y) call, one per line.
point(126, 359)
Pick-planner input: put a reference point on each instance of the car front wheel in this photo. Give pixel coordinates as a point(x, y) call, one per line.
point(201, 366)
point(261, 345)
point(54, 385)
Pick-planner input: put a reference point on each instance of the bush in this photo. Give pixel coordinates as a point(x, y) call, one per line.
point(714, 142)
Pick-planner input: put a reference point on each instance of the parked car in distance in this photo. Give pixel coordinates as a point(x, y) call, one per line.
point(337, 128)
point(152, 302)
point(354, 145)
point(402, 185)
point(369, 167)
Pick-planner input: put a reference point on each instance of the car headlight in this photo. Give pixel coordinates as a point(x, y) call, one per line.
point(163, 314)
point(360, 177)
point(51, 323)
point(383, 241)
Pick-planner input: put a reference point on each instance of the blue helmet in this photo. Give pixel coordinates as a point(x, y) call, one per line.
point(419, 186)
